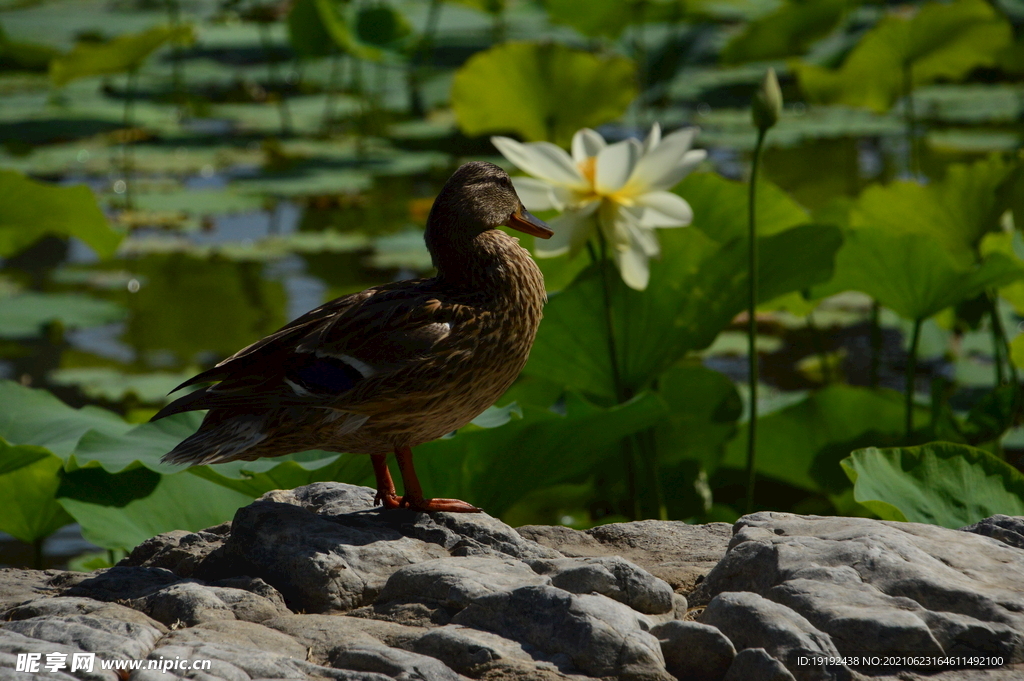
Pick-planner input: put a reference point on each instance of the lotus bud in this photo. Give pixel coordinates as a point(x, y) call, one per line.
point(767, 104)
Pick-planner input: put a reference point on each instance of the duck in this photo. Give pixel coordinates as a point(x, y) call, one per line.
point(392, 367)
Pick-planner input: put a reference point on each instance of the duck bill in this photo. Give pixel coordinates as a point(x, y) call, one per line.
point(523, 221)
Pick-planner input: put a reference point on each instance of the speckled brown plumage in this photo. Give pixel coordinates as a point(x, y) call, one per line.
point(393, 366)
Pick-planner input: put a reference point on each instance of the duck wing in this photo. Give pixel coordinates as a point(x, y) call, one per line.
point(319, 358)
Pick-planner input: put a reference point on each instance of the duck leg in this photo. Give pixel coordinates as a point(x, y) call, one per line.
point(414, 499)
point(386, 494)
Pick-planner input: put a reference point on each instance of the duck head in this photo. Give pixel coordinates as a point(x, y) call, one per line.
point(478, 197)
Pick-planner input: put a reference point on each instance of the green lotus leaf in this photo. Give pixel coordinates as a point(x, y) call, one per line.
point(542, 91)
point(178, 502)
point(30, 210)
point(911, 274)
point(541, 449)
point(30, 511)
point(940, 483)
point(789, 30)
point(940, 41)
point(35, 417)
point(123, 53)
point(696, 289)
point(802, 444)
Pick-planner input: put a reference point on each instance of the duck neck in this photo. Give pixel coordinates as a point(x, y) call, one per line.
point(490, 261)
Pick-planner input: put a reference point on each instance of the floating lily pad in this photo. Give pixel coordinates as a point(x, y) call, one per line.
point(26, 314)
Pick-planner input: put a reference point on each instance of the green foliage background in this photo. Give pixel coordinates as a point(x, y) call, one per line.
point(177, 182)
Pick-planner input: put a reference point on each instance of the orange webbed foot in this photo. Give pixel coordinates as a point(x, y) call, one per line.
point(387, 498)
point(432, 505)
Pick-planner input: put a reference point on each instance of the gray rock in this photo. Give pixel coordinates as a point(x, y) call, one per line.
point(326, 498)
point(323, 635)
point(613, 577)
point(178, 551)
point(239, 634)
point(470, 651)
point(19, 586)
point(109, 637)
point(674, 551)
point(883, 588)
point(370, 656)
point(238, 663)
point(256, 586)
point(318, 564)
point(695, 651)
point(600, 636)
point(751, 621)
point(63, 606)
point(1007, 529)
point(456, 582)
point(190, 603)
point(12, 643)
point(121, 583)
point(755, 664)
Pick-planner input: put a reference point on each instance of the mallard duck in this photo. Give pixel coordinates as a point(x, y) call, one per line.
point(391, 367)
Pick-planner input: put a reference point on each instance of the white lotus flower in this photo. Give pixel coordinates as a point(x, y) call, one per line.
point(621, 188)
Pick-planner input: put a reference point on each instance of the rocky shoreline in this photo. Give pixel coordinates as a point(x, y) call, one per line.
point(315, 583)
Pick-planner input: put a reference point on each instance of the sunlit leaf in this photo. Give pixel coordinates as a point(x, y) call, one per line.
point(940, 483)
point(955, 212)
point(696, 288)
point(942, 40)
point(30, 210)
point(26, 314)
point(123, 53)
point(539, 450)
point(787, 31)
point(911, 273)
point(542, 91)
point(178, 502)
point(802, 444)
point(720, 207)
point(35, 417)
point(30, 511)
point(13, 457)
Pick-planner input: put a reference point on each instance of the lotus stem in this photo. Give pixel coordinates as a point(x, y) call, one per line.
point(128, 141)
point(876, 343)
point(819, 349)
point(622, 393)
point(332, 92)
point(274, 81)
point(913, 143)
point(911, 374)
point(422, 54)
point(752, 320)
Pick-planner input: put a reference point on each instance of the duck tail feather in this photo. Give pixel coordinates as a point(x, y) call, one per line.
point(227, 440)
